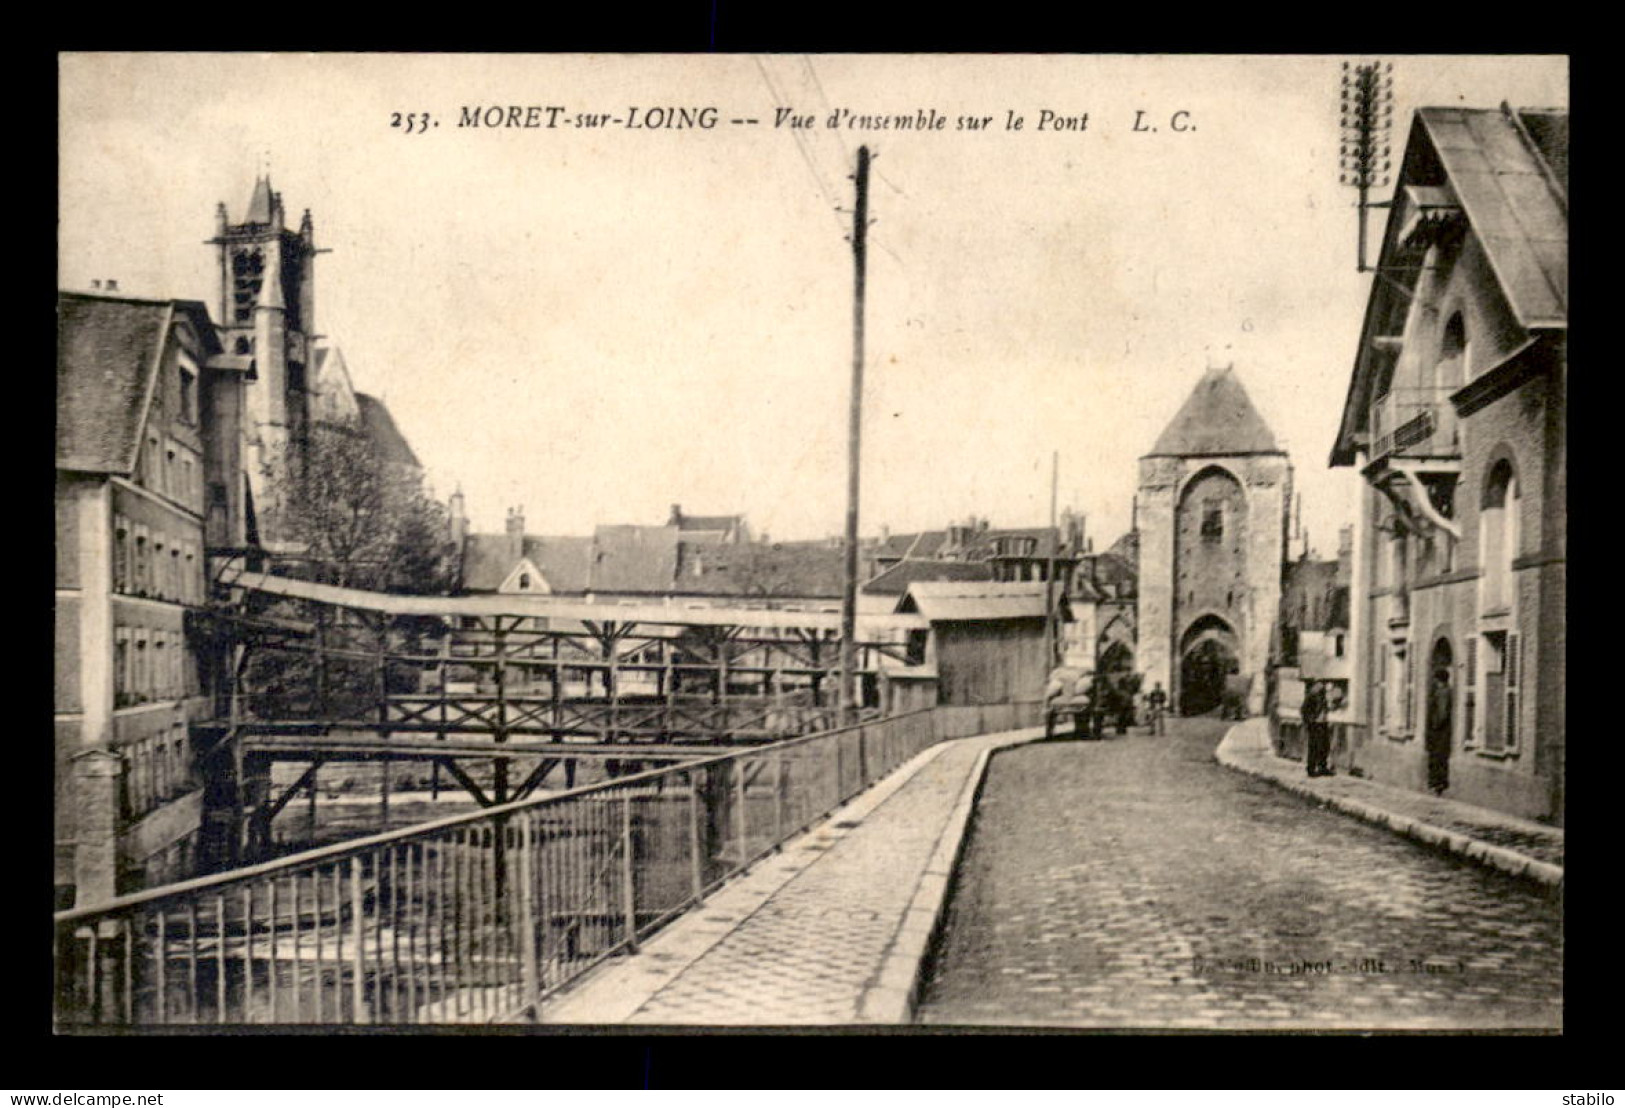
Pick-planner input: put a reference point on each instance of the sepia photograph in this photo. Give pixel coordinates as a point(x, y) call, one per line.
point(878, 543)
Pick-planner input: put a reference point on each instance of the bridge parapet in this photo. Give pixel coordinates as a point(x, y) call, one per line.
point(475, 918)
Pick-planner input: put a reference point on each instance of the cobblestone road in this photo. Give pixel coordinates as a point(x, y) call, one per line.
point(1136, 883)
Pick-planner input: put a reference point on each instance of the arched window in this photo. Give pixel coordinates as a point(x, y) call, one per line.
point(1451, 371)
point(524, 581)
point(1497, 538)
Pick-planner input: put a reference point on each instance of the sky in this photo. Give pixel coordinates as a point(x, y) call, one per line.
point(595, 323)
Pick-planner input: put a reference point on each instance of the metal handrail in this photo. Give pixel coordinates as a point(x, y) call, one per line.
point(501, 906)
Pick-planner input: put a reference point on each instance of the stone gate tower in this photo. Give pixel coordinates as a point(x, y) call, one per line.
point(1212, 512)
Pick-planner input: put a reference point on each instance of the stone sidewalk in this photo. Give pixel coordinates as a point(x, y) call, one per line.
point(1520, 847)
point(831, 931)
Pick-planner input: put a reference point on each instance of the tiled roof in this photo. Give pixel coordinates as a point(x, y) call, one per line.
point(1217, 418)
point(563, 560)
point(896, 580)
point(916, 544)
point(106, 355)
point(379, 426)
point(634, 558)
point(761, 570)
point(1505, 182)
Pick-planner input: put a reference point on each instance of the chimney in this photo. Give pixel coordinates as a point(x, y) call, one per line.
point(516, 533)
point(457, 516)
point(676, 519)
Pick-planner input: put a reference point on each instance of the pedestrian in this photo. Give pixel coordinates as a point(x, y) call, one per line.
point(1155, 701)
point(1099, 697)
point(1316, 729)
point(1125, 703)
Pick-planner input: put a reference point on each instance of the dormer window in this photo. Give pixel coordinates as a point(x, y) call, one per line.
point(524, 581)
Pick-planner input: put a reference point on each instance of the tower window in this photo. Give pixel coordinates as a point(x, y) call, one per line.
point(1212, 520)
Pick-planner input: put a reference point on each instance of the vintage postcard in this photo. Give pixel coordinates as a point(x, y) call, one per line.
point(1070, 542)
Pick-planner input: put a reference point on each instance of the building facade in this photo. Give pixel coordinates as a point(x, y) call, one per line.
point(1456, 420)
point(1212, 516)
point(136, 498)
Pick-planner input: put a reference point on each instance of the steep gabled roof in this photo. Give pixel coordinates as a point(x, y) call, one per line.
point(1217, 418)
point(563, 560)
point(107, 353)
point(379, 426)
point(1514, 198)
point(1509, 171)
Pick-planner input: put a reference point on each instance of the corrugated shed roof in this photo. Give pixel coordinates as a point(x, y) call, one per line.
point(1217, 418)
point(940, 601)
point(379, 426)
point(1506, 186)
point(106, 356)
point(896, 580)
point(634, 558)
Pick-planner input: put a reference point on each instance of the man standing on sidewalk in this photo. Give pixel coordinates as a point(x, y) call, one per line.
point(1155, 701)
point(1314, 712)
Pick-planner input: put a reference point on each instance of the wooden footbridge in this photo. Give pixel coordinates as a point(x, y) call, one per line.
point(502, 692)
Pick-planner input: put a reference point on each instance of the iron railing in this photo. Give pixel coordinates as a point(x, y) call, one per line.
point(474, 918)
point(1417, 422)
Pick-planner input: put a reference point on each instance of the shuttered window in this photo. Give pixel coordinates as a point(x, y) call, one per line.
point(1514, 673)
point(1469, 702)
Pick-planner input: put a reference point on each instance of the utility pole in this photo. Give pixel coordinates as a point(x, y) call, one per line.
point(1049, 574)
point(848, 692)
point(1366, 120)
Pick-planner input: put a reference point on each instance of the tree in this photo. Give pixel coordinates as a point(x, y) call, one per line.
point(363, 520)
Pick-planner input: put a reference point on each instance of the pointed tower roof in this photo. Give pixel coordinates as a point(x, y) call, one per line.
point(1217, 418)
point(259, 205)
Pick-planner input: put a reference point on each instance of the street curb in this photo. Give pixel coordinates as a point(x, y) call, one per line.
point(613, 993)
point(894, 996)
point(1452, 842)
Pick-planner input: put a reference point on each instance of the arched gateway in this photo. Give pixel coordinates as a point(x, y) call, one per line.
point(1207, 655)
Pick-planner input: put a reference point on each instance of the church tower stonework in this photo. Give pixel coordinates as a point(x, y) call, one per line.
point(1213, 504)
point(267, 309)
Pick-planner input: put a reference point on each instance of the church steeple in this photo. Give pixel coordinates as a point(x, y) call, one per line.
point(261, 203)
